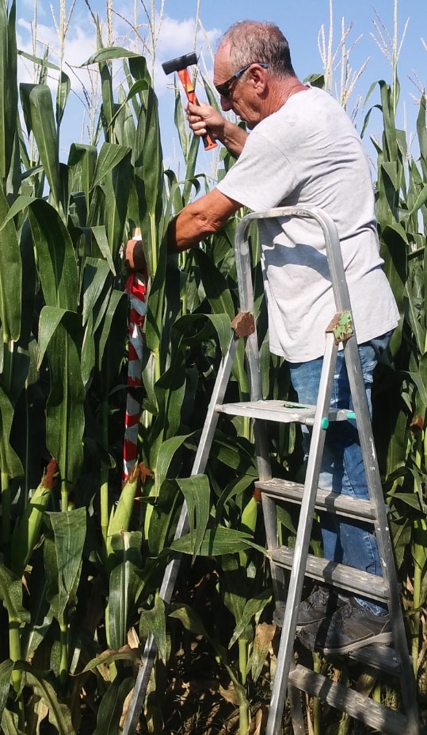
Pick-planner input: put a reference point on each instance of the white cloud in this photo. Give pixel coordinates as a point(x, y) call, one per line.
point(173, 38)
point(78, 46)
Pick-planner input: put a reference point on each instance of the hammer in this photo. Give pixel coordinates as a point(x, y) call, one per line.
point(180, 65)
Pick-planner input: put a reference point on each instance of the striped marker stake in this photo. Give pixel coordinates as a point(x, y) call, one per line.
point(136, 289)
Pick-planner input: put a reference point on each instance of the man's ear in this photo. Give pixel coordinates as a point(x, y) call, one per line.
point(258, 77)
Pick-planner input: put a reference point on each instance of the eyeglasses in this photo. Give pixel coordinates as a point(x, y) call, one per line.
point(224, 88)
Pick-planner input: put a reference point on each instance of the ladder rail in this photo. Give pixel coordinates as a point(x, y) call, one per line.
point(383, 537)
point(246, 301)
point(302, 543)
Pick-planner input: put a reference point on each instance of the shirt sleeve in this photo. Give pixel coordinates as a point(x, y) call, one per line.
point(262, 176)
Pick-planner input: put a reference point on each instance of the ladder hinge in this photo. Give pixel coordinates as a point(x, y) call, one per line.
point(243, 324)
point(341, 326)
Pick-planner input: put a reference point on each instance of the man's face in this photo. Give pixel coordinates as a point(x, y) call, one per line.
point(241, 97)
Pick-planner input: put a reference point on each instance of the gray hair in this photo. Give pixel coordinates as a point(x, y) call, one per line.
point(251, 41)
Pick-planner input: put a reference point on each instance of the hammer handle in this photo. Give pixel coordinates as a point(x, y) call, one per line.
point(186, 82)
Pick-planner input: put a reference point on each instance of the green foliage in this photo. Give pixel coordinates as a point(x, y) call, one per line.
point(401, 197)
point(83, 557)
point(79, 540)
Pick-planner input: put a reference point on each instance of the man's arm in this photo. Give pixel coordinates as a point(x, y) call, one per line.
point(203, 118)
point(201, 218)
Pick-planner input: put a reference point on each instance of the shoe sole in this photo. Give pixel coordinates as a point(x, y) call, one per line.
point(382, 638)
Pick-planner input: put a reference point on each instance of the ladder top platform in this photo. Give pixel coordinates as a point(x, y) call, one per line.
point(284, 412)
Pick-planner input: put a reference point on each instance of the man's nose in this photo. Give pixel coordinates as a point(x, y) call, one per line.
point(226, 104)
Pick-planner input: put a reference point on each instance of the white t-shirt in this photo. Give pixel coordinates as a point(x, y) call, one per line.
point(308, 153)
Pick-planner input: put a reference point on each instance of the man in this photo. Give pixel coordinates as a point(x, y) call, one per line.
point(303, 150)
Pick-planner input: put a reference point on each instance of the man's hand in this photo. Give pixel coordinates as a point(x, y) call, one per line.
point(203, 118)
point(134, 255)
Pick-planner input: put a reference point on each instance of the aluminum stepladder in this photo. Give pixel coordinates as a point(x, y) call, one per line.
point(289, 678)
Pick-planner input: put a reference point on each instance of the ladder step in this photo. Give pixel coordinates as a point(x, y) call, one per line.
point(338, 575)
point(281, 411)
point(338, 503)
point(362, 708)
point(383, 658)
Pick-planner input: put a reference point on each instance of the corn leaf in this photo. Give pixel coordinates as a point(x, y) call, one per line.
point(95, 274)
point(69, 531)
point(124, 582)
point(9, 461)
point(63, 90)
point(82, 164)
point(163, 517)
point(191, 180)
point(264, 635)
point(215, 286)
point(108, 656)
point(61, 336)
point(56, 257)
point(110, 156)
point(154, 621)
point(9, 723)
point(116, 187)
point(88, 358)
point(100, 235)
point(58, 713)
point(6, 668)
point(166, 453)
point(8, 88)
point(19, 205)
point(217, 541)
point(196, 492)
point(422, 135)
point(189, 618)
point(180, 122)
point(110, 338)
point(110, 53)
point(253, 607)
point(40, 119)
point(41, 612)
point(110, 710)
point(38, 60)
point(149, 183)
point(11, 595)
point(10, 276)
point(170, 392)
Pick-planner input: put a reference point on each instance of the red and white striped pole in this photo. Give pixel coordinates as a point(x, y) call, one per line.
point(136, 288)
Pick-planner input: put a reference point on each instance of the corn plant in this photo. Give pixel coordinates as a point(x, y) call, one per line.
point(64, 341)
point(402, 217)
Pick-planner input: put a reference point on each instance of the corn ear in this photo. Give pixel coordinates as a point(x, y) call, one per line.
point(120, 516)
point(27, 529)
point(250, 514)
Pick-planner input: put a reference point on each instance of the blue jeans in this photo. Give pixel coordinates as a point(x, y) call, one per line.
point(342, 468)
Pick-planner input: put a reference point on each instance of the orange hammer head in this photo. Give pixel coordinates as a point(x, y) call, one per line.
point(180, 65)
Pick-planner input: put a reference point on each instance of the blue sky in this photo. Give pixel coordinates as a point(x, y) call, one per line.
point(300, 20)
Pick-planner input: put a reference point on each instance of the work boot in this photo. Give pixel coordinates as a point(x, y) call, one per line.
point(351, 627)
point(322, 603)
